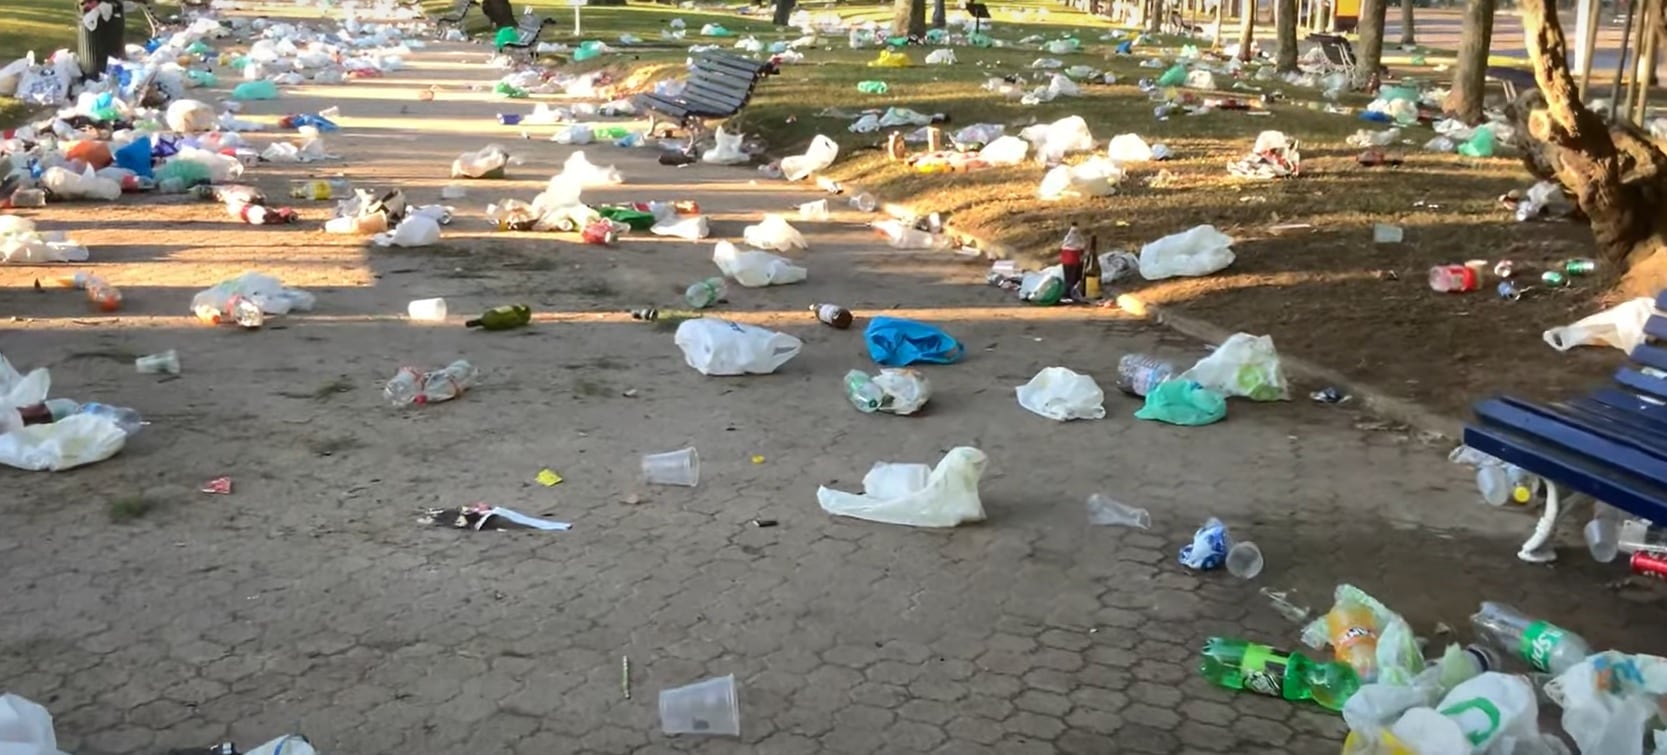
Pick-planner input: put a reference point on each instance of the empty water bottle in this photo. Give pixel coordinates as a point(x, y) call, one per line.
point(863, 393)
point(128, 420)
point(409, 386)
point(1545, 646)
point(1140, 373)
point(705, 293)
point(247, 313)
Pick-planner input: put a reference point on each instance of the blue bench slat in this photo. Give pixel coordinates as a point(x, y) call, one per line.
point(1651, 432)
point(1661, 300)
point(1642, 382)
point(1656, 327)
point(1650, 356)
point(1532, 421)
point(1575, 471)
point(1633, 402)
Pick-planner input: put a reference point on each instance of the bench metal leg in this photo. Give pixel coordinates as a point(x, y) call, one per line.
point(1537, 549)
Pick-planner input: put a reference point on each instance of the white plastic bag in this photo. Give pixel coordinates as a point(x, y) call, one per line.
point(25, 728)
point(17, 390)
point(773, 232)
point(70, 185)
point(289, 744)
point(1492, 714)
point(721, 347)
point(728, 149)
point(908, 390)
point(189, 116)
point(818, 156)
point(1062, 86)
point(1243, 365)
point(690, 227)
point(909, 494)
point(1608, 701)
point(70, 442)
point(1055, 140)
point(1060, 394)
point(1621, 326)
point(1096, 177)
point(486, 162)
point(414, 230)
point(1005, 150)
point(1200, 250)
point(265, 291)
point(32, 247)
point(942, 56)
point(580, 170)
point(755, 269)
point(1199, 78)
point(1129, 148)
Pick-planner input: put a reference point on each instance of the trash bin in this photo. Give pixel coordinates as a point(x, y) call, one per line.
point(107, 37)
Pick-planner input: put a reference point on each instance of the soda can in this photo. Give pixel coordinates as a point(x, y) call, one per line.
point(1646, 564)
point(599, 232)
point(1580, 266)
point(1510, 291)
point(1554, 279)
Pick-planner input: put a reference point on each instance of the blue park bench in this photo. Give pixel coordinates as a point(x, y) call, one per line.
point(719, 85)
point(1610, 445)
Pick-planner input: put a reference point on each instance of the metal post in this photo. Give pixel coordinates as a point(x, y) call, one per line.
point(1588, 18)
point(1646, 58)
point(1619, 89)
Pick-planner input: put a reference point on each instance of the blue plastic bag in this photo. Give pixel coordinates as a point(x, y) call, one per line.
point(1183, 402)
point(136, 156)
point(895, 342)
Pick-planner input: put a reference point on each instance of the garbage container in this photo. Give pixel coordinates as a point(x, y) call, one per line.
point(107, 37)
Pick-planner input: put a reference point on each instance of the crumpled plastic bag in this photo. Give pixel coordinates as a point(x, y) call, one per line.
point(255, 90)
point(25, 728)
point(1096, 177)
point(1608, 701)
point(18, 390)
point(773, 232)
point(890, 58)
point(486, 162)
point(1129, 148)
point(817, 157)
point(189, 116)
point(1243, 365)
point(895, 342)
point(755, 269)
point(414, 230)
point(690, 227)
point(1183, 402)
point(906, 390)
point(66, 184)
point(1005, 150)
point(1061, 394)
point(1200, 250)
point(1200, 79)
point(1492, 714)
point(721, 347)
point(941, 57)
point(20, 242)
point(73, 441)
point(913, 494)
point(584, 173)
point(1621, 326)
point(727, 151)
point(265, 291)
point(1055, 140)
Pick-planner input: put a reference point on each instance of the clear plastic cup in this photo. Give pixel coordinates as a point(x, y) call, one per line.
point(680, 467)
point(427, 310)
point(1244, 560)
point(707, 707)
point(166, 363)
point(1103, 510)
point(1383, 233)
point(1603, 539)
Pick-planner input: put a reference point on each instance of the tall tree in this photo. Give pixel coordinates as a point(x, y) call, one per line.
point(1247, 28)
point(940, 19)
point(784, 12)
point(1285, 23)
point(1617, 176)
point(1407, 35)
point(1464, 101)
point(1370, 55)
point(908, 18)
point(1215, 34)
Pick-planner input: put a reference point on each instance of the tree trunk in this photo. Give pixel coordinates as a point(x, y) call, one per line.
point(908, 18)
point(1247, 28)
point(1221, 10)
point(1285, 23)
point(941, 20)
point(1154, 16)
point(784, 11)
point(1464, 101)
point(1617, 176)
point(1370, 55)
point(1408, 37)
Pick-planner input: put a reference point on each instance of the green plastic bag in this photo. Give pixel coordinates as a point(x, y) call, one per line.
point(509, 90)
point(1480, 144)
point(637, 219)
point(1183, 402)
point(1174, 77)
point(587, 50)
point(182, 174)
point(255, 90)
point(873, 87)
point(978, 40)
point(936, 36)
point(202, 78)
point(504, 36)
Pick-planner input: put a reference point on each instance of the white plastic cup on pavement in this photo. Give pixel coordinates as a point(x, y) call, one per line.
point(707, 707)
point(1244, 560)
point(680, 467)
point(166, 363)
point(427, 310)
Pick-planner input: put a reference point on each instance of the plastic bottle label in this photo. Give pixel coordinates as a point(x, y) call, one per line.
point(1538, 642)
point(1263, 671)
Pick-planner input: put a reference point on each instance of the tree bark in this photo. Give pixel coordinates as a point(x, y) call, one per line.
point(784, 11)
point(1408, 37)
point(1617, 176)
point(1370, 55)
point(908, 18)
point(1247, 28)
point(1221, 10)
point(1285, 24)
point(1464, 100)
point(940, 19)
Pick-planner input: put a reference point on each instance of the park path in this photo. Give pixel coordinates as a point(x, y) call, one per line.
point(311, 600)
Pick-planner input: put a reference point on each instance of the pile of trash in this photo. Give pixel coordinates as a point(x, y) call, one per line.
point(42, 434)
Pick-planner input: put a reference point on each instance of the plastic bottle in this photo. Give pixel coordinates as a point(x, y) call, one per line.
point(105, 297)
point(1241, 664)
point(1453, 279)
point(832, 315)
point(872, 87)
point(705, 293)
point(409, 386)
point(1352, 631)
point(1138, 374)
point(127, 419)
point(247, 314)
point(502, 318)
point(319, 189)
point(863, 393)
point(62, 407)
point(1545, 646)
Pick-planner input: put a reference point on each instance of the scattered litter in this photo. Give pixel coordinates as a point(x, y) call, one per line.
point(1243, 365)
point(26, 727)
point(895, 342)
point(1208, 549)
point(1183, 402)
point(481, 516)
point(1201, 250)
point(218, 305)
point(1105, 511)
point(1280, 600)
point(548, 478)
point(817, 157)
point(727, 150)
point(680, 468)
point(894, 390)
point(721, 347)
point(755, 269)
point(217, 486)
point(1095, 177)
point(1329, 395)
point(411, 386)
point(1621, 326)
point(1274, 155)
point(707, 707)
point(487, 162)
point(773, 232)
point(165, 363)
point(915, 494)
point(1060, 394)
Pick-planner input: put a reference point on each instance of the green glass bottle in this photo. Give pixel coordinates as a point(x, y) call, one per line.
point(1240, 664)
point(503, 318)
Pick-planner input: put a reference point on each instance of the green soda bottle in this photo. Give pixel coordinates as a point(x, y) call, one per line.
point(503, 318)
point(1241, 664)
point(705, 293)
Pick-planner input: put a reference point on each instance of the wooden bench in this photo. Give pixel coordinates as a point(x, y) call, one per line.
point(455, 18)
point(1609, 445)
point(718, 86)
point(527, 31)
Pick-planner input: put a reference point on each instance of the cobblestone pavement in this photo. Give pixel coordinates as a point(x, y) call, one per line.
point(311, 600)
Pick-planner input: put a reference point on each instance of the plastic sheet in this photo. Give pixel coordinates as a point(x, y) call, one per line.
point(912, 495)
point(755, 269)
point(1201, 250)
point(817, 157)
point(1061, 394)
point(1243, 365)
point(774, 232)
point(721, 347)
